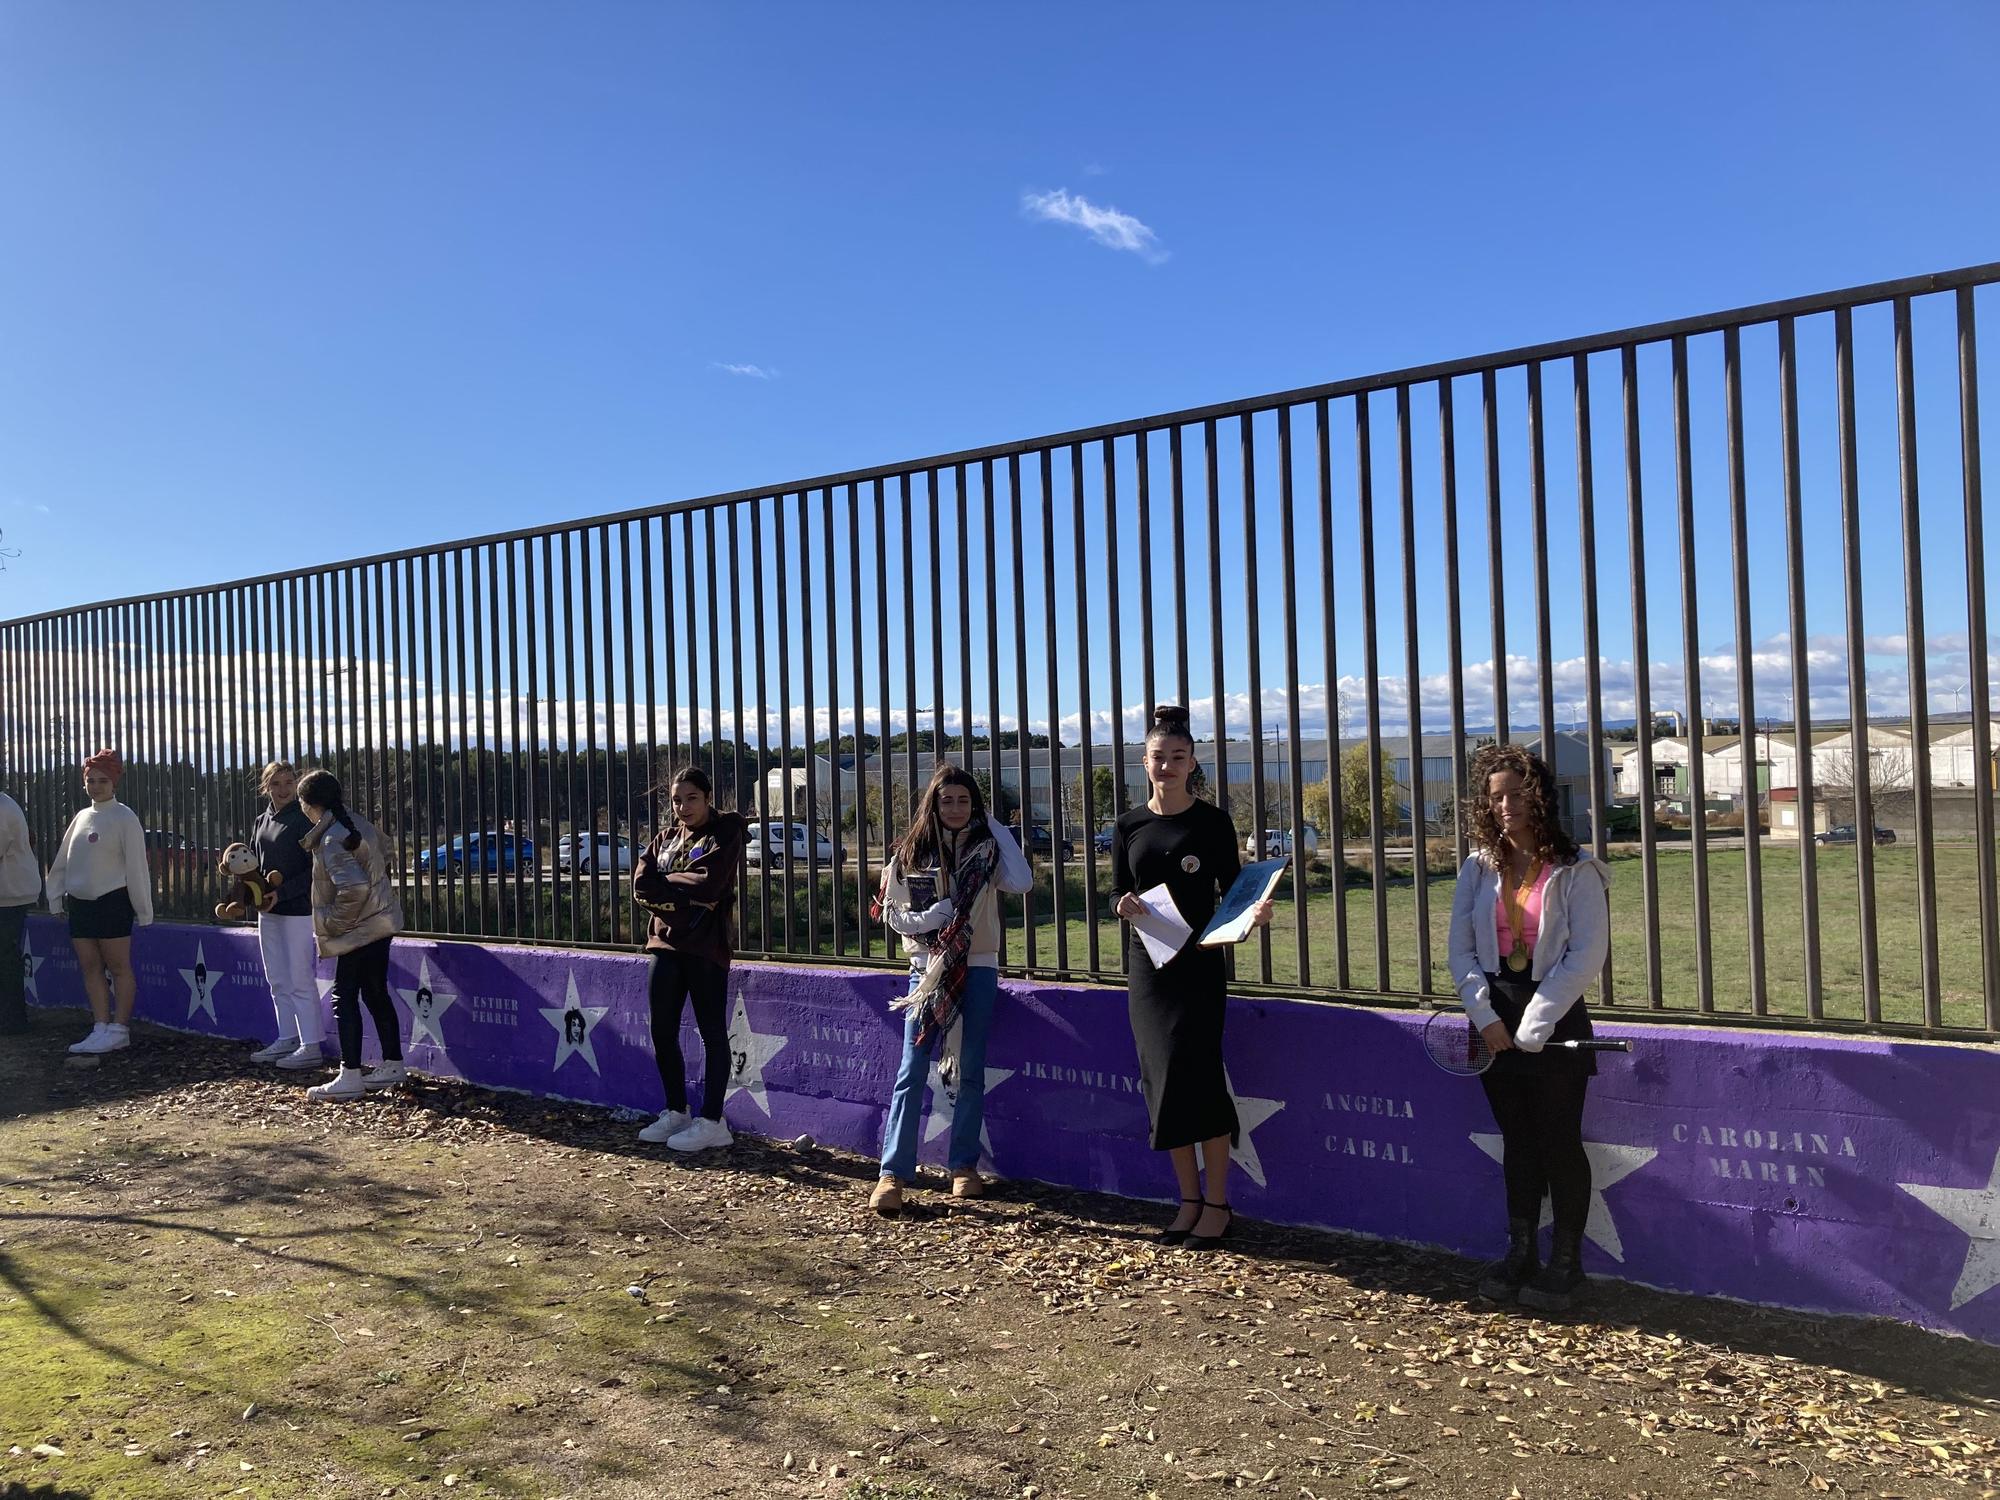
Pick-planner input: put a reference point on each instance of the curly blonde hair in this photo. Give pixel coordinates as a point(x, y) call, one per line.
point(1551, 843)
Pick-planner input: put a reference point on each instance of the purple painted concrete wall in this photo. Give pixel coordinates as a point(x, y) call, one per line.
point(1844, 1175)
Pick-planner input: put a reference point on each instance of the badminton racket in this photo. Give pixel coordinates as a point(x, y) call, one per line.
point(1456, 1045)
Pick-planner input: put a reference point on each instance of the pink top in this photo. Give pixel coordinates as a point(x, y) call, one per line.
point(1531, 914)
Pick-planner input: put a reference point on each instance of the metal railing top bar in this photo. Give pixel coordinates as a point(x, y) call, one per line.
point(1532, 354)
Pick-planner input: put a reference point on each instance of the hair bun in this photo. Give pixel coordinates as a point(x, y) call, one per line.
point(1171, 716)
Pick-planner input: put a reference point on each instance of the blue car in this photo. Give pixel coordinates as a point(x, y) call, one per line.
point(495, 852)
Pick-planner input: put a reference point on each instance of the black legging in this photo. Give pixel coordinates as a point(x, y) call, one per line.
point(675, 977)
point(1540, 1116)
point(362, 978)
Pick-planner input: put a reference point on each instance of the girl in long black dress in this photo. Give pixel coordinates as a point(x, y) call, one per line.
point(1177, 1009)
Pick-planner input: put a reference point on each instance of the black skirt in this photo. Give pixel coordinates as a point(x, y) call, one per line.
point(1510, 994)
point(108, 916)
point(1176, 1015)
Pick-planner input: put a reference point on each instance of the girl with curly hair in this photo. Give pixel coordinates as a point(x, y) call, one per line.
point(1530, 927)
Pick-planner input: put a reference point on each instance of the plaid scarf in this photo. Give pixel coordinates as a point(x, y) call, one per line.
point(940, 993)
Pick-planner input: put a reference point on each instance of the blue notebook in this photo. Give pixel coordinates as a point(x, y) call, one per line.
point(1232, 917)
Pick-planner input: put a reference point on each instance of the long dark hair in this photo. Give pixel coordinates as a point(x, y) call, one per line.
point(697, 778)
point(322, 789)
point(1551, 844)
point(927, 841)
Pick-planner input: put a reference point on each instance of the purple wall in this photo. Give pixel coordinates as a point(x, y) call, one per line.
point(1845, 1175)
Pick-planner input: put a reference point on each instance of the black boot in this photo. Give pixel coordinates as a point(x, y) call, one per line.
point(1561, 1281)
point(1504, 1278)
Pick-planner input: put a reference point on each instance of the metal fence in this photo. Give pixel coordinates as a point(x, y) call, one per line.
point(508, 707)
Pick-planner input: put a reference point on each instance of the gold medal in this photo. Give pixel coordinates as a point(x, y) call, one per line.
point(1517, 916)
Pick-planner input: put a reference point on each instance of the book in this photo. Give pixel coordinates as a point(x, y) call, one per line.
point(1161, 927)
point(1232, 923)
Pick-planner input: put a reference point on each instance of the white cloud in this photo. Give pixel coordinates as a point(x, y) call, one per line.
point(755, 372)
point(1108, 226)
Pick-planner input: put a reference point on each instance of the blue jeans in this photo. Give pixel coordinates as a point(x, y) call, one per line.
point(968, 1099)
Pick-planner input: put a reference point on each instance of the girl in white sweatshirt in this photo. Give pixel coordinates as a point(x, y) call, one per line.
point(101, 877)
point(941, 892)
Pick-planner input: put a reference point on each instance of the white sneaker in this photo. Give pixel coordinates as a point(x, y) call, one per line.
point(670, 1124)
point(110, 1038)
point(386, 1075)
point(307, 1056)
point(344, 1085)
point(86, 1045)
point(284, 1046)
point(702, 1135)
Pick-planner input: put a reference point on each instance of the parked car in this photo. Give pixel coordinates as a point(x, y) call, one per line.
point(1278, 843)
point(597, 854)
point(784, 842)
point(1104, 837)
point(177, 855)
point(1039, 841)
point(1844, 833)
point(489, 850)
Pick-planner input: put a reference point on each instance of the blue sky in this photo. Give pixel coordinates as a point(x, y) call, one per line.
point(283, 284)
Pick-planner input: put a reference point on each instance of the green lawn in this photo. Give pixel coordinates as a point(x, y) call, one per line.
point(564, 918)
point(1840, 942)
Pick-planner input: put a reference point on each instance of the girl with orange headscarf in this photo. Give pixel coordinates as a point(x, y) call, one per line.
point(100, 876)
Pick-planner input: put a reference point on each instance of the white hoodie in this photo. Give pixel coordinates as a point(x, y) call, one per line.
point(20, 876)
point(1572, 940)
point(1011, 872)
point(104, 848)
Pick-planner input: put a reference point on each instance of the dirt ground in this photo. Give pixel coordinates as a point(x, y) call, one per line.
point(209, 1286)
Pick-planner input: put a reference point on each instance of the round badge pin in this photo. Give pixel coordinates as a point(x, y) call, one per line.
point(1191, 864)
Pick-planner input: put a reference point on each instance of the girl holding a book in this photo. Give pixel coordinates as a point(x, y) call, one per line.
point(1177, 1008)
point(941, 893)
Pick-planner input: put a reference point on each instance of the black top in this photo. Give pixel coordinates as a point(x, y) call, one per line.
point(276, 842)
point(1150, 848)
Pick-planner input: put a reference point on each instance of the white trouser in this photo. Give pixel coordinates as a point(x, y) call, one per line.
point(289, 956)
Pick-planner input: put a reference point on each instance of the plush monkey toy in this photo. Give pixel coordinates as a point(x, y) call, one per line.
point(256, 890)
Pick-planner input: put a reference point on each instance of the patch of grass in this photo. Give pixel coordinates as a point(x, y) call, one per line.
point(1898, 947)
point(434, 1283)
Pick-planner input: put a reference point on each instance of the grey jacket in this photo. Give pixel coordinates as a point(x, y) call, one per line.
point(1571, 942)
point(354, 903)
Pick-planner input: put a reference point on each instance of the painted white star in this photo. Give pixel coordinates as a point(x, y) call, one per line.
point(558, 1017)
point(749, 1052)
point(201, 985)
point(944, 1102)
point(1250, 1113)
point(1976, 1211)
point(29, 964)
point(1609, 1163)
point(426, 1017)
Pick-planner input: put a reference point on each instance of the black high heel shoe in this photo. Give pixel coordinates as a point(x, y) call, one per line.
point(1211, 1241)
point(1177, 1236)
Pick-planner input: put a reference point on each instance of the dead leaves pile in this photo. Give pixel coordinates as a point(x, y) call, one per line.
point(1311, 1333)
